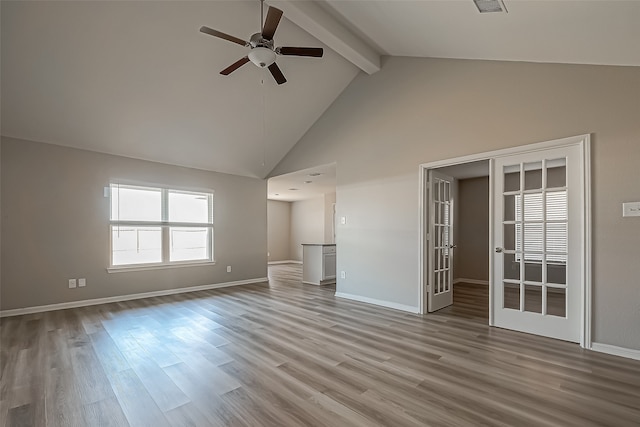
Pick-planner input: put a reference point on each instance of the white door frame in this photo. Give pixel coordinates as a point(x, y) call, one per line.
point(584, 142)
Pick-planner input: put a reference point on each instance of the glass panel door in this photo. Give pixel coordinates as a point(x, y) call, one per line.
point(538, 242)
point(441, 247)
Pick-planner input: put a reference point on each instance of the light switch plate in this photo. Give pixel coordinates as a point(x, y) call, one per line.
point(631, 209)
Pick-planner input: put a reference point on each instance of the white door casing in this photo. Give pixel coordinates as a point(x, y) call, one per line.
point(441, 247)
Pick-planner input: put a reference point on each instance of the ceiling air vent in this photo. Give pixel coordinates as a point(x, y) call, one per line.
point(487, 6)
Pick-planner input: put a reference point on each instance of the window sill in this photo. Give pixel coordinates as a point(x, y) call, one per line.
point(126, 268)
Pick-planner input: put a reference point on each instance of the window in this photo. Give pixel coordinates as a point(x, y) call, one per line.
point(159, 226)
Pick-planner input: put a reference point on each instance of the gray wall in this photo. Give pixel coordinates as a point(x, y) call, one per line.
point(55, 225)
point(307, 224)
point(472, 229)
point(279, 230)
point(418, 110)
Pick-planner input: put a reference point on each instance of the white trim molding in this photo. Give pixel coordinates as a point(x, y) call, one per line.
point(615, 350)
point(290, 261)
point(387, 304)
point(118, 298)
point(471, 281)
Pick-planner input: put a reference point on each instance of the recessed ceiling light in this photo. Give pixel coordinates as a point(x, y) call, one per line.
point(315, 174)
point(488, 6)
point(293, 189)
point(308, 182)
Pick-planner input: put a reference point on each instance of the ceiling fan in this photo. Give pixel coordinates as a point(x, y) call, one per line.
point(263, 53)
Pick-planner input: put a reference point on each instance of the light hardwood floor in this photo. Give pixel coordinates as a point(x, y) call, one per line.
point(287, 354)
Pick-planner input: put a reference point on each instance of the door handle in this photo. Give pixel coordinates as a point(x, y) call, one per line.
point(453, 246)
point(498, 250)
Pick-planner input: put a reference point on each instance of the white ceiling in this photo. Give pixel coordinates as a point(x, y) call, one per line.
point(603, 32)
point(296, 186)
point(138, 79)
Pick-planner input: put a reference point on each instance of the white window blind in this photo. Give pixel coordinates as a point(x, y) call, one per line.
point(540, 228)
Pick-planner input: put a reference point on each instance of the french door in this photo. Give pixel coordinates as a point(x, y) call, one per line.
point(539, 242)
point(441, 247)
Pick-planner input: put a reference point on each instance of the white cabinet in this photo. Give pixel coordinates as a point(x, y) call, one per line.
point(318, 263)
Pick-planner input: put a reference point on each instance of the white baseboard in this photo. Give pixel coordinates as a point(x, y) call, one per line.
point(472, 281)
point(615, 350)
point(388, 304)
point(284, 262)
point(96, 301)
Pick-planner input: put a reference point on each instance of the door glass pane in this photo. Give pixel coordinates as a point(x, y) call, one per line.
point(533, 298)
point(556, 173)
point(557, 302)
point(556, 241)
point(512, 178)
point(533, 207)
point(557, 205)
point(509, 237)
point(557, 273)
point(511, 296)
point(511, 267)
point(533, 176)
point(510, 207)
point(136, 244)
point(533, 240)
point(533, 271)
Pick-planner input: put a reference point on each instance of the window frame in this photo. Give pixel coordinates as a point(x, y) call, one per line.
point(165, 226)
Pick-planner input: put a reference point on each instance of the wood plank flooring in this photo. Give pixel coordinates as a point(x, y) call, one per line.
point(287, 354)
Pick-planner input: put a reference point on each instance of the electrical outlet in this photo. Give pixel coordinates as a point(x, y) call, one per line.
point(343, 220)
point(72, 283)
point(228, 269)
point(343, 275)
point(82, 282)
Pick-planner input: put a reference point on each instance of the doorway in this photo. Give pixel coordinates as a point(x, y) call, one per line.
point(300, 210)
point(461, 238)
point(539, 238)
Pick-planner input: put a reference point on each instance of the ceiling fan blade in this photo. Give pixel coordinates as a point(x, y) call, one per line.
point(315, 52)
point(231, 68)
point(271, 23)
point(222, 35)
point(277, 74)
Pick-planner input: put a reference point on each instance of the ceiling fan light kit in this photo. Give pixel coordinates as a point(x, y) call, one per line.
point(262, 53)
point(262, 56)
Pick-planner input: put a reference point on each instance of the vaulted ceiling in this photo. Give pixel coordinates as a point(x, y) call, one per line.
point(138, 79)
